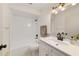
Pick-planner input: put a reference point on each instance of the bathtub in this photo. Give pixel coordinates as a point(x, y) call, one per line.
point(27, 50)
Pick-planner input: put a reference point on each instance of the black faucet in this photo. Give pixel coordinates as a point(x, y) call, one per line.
point(60, 36)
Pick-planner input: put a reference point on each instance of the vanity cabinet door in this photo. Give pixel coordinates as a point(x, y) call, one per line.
point(56, 52)
point(44, 49)
point(47, 50)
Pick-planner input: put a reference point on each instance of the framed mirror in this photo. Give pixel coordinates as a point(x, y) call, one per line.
point(43, 31)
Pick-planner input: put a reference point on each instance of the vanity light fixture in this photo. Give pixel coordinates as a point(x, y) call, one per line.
point(60, 6)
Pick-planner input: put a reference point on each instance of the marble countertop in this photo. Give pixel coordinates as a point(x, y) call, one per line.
point(67, 48)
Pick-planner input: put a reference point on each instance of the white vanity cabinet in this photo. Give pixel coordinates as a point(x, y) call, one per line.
point(56, 52)
point(47, 50)
point(44, 49)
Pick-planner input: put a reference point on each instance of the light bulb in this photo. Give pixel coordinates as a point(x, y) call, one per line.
point(63, 9)
point(60, 7)
point(56, 12)
point(53, 11)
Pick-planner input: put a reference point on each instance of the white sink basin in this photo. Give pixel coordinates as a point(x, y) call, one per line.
point(61, 43)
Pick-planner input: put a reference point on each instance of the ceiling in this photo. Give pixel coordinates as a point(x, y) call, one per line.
point(37, 6)
point(32, 9)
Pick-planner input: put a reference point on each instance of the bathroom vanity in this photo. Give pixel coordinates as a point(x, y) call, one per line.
point(50, 46)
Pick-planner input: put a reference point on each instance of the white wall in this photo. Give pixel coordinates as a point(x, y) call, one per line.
point(45, 19)
point(67, 21)
point(52, 24)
